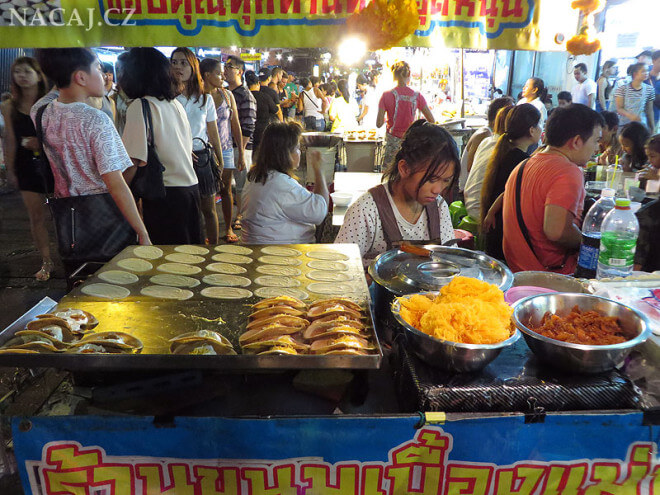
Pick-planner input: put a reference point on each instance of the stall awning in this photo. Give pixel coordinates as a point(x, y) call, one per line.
point(483, 24)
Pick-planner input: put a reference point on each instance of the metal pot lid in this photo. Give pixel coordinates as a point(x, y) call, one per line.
point(405, 273)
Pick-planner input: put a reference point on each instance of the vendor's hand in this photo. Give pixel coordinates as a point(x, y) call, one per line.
point(144, 240)
point(31, 143)
point(314, 159)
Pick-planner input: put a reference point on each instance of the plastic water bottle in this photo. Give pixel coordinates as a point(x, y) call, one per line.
point(618, 241)
point(590, 248)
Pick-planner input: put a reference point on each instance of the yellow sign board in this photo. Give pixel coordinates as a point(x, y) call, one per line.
point(482, 24)
point(251, 57)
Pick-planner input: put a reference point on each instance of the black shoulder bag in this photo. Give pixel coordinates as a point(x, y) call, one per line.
point(88, 228)
point(521, 221)
point(148, 181)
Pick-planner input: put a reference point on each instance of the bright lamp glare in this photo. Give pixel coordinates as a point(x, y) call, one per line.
point(352, 50)
point(266, 54)
point(290, 58)
point(252, 51)
point(278, 56)
point(234, 48)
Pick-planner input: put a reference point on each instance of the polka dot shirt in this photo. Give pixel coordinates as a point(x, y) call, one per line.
point(362, 226)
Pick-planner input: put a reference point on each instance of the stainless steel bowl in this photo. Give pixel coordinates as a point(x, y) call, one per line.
point(450, 356)
point(549, 280)
point(577, 357)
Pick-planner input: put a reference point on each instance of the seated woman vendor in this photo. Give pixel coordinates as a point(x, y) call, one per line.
point(276, 208)
point(409, 206)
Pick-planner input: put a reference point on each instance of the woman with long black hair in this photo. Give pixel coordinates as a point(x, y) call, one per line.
point(522, 129)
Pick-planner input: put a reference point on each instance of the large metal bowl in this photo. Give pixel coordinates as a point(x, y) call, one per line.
point(450, 356)
point(577, 357)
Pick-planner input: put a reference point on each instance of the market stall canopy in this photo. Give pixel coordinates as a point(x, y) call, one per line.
point(482, 24)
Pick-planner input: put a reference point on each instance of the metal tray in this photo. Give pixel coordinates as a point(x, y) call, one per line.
point(404, 273)
point(154, 321)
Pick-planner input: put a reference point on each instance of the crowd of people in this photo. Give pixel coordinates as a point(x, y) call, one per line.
point(156, 148)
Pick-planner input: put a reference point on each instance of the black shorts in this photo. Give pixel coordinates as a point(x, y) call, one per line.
point(208, 185)
point(175, 219)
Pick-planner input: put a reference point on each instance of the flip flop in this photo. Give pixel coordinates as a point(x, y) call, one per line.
point(43, 274)
point(231, 238)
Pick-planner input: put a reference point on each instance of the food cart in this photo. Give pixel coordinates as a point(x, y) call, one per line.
point(382, 422)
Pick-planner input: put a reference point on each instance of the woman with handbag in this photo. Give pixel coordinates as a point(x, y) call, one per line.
point(207, 151)
point(228, 126)
point(94, 211)
point(158, 138)
point(28, 84)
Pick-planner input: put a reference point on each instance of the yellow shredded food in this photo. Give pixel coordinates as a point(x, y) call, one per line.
point(467, 311)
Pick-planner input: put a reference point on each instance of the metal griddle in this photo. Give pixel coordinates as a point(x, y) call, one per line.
point(155, 321)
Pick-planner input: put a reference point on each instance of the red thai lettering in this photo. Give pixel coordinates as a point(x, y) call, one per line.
point(217, 481)
point(240, 6)
point(468, 479)
point(519, 480)
point(605, 475)
point(283, 483)
point(160, 9)
point(317, 477)
point(215, 7)
point(285, 6)
point(565, 479)
point(259, 7)
point(515, 11)
point(461, 4)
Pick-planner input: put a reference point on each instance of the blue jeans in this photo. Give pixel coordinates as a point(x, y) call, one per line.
point(314, 124)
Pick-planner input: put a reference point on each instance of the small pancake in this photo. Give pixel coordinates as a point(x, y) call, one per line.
point(280, 251)
point(328, 276)
point(279, 270)
point(189, 259)
point(190, 249)
point(118, 277)
point(174, 280)
point(106, 291)
point(319, 254)
point(226, 280)
point(148, 252)
point(275, 281)
point(226, 268)
point(228, 248)
point(279, 260)
point(335, 266)
point(267, 292)
point(226, 293)
point(179, 269)
point(330, 288)
point(166, 292)
point(231, 258)
point(135, 264)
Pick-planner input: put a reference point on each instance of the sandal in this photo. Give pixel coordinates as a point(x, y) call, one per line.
point(231, 238)
point(237, 224)
point(44, 273)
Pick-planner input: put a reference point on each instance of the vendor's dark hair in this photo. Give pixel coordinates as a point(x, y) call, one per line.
point(59, 64)
point(342, 86)
point(194, 86)
point(573, 120)
point(277, 143)
point(654, 143)
point(611, 119)
point(425, 145)
point(496, 105)
point(519, 121)
point(638, 135)
point(146, 72)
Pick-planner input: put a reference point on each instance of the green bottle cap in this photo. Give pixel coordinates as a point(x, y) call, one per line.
point(622, 203)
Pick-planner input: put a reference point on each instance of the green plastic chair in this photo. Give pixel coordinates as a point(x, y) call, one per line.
point(457, 211)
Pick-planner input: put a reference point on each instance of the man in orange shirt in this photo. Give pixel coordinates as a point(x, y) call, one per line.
point(543, 233)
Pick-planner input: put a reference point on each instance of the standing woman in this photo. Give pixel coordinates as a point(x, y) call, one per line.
point(344, 110)
point(228, 126)
point(202, 118)
point(534, 92)
point(605, 86)
point(410, 205)
point(28, 84)
point(400, 105)
point(522, 129)
point(175, 219)
point(313, 106)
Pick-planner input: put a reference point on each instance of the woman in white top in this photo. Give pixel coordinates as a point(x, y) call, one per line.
point(313, 106)
point(409, 206)
point(202, 118)
point(344, 110)
point(176, 218)
point(534, 92)
point(276, 208)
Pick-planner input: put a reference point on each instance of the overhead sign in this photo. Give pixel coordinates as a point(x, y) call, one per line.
point(566, 454)
point(484, 24)
point(251, 57)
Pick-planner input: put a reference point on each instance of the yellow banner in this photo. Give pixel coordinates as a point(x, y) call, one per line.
point(483, 24)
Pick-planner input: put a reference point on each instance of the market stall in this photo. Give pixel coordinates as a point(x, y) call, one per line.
point(273, 369)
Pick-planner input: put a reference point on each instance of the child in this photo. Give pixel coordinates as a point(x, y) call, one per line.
point(85, 152)
point(647, 255)
point(632, 138)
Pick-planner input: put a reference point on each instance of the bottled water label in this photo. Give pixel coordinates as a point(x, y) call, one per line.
point(617, 249)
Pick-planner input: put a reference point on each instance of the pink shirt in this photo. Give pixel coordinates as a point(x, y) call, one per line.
point(409, 102)
point(548, 179)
